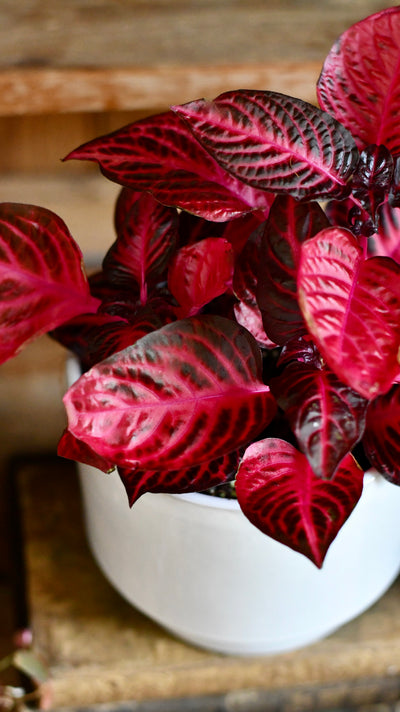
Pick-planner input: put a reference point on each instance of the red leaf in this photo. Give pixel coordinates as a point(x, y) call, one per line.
point(73, 449)
point(192, 479)
point(289, 224)
point(161, 155)
point(147, 234)
point(387, 240)
point(274, 142)
point(327, 417)
point(245, 280)
point(351, 305)
point(359, 84)
point(42, 283)
point(280, 494)
point(182, 395)
point(382, 434)
point(199, 273)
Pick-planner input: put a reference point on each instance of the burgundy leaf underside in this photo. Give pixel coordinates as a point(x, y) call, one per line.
point(382, 434)
point(350, 304)
point(73, 449)
point(359, 84)
point(289, 224)
point(274, 142)
point(193, 479)
point(161, 155)
point(280, 495)
point(327, 417)
point(183, 395)
point(42, 283)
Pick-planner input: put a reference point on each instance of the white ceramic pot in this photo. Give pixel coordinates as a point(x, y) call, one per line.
point(194, 564)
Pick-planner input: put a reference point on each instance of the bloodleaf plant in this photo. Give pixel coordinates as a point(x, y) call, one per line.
point(245, 324)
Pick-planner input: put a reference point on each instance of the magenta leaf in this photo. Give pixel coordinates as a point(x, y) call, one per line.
point(73, 449)
point(245, 280)
point(183, 395)
point(327, 417)
point(279, 493)
point(289, 224)
point(161, 155)
point(359, 84)
point(387, 239)
point(382, 434)
point(193, 479)
point(350, 304)
point(274, 142)
point(199, 273)
point(42, 282)
point(147, 235)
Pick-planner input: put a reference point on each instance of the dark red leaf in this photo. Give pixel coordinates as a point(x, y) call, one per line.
point(289, 224)
point(182, 395)
point(161, 155)
point(42, 283)
point(327, 417)
point(279, 493)
point(145, 242)
point(245, 279)
point(73, 449)
point(274, 142)
point(387, 241)
point(382, 435)
point(359, 84)
point(192, 479)
point(352, 309)
point(199, 273)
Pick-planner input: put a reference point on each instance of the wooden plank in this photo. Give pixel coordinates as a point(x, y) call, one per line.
point(38, 91)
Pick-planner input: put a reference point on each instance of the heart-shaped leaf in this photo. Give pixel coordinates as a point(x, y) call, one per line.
point(274, 142)
point(289, 224)
point(42, 283)
point(183, 395)
point(327, 417)
point(349, 305)
point(359, 84)
point(279, 493)
point(161, 155)
point(147, 236)
point(193, 479)
point(199, 273)
point(382, 434)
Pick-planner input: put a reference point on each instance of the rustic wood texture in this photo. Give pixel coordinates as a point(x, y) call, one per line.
point(133, 54)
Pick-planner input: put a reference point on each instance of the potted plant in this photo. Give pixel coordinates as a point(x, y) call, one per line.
point(244, 328)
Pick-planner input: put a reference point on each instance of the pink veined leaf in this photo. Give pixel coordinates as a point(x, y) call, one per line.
point(327, 417)
point(161, 155)
point(289, 224)
point(183, 395)
point(382, 434)
point(274, 142)
point(359, 84)
point(245, 279)
point(387, 240)
point(199, 273)
point(42, 282)
point(279, 493)
point(147, 235)
point(352, 309)
point(239, 232)
point(71, 448)
point(193, 479)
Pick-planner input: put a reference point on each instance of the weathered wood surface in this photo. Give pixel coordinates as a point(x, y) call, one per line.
point(85, 55)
